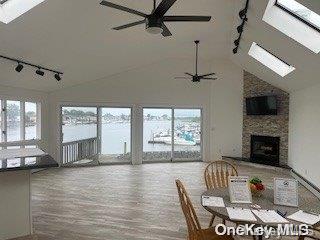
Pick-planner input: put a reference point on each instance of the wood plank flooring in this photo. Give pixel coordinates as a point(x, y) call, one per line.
point(121, 202)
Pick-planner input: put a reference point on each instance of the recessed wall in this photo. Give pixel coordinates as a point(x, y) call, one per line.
point(274, 126)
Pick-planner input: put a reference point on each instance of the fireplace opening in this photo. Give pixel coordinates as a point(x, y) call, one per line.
point(265, 150)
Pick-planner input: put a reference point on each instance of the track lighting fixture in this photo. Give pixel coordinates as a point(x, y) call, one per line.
point(235, 50)
point(243, 16)
point(19, 67)
point(240, 28)
point(243, 13)
point(40, 72)
point(40, 69)
point(57, 76)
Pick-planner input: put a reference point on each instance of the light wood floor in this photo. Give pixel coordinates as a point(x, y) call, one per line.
point(121, 202)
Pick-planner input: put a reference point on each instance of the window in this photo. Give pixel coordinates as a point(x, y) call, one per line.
point(13, 121)
point(300, 12)
point(30, 120)
point(79, 123)
point(157, 134)
point(12, 9)
point(295, 21)
point(115, 135)
point(19, 122)
point(187, 134)
point(269, 60)
point(171, 134)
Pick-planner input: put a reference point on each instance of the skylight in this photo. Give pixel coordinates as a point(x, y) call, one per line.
point(296, 21)
point(12, 9)
point(301, 12)
point(269, 60)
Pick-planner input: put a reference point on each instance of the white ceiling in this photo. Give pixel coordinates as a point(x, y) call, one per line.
point(75, 37)
point(306, 62)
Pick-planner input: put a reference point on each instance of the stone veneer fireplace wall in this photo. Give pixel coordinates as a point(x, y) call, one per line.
point(273, 126)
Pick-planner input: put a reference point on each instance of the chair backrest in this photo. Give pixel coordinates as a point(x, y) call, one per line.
point(193, 223)
point(216, 174)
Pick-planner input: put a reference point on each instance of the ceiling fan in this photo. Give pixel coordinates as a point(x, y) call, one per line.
point(196, 77)
point(155, 22)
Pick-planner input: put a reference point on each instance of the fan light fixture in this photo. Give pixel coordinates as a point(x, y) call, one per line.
point(155, 22)
point(154, 30)
point(196, 78)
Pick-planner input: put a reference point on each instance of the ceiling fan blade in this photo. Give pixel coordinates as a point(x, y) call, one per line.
point(205, 78)
point(206, 75)
point(122, 8)
point(189, 74)
point(186, 18)
point(129, 25)
point(166, 32)
point(163, 7)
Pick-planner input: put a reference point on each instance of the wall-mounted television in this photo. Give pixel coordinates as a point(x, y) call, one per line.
point(264, 105)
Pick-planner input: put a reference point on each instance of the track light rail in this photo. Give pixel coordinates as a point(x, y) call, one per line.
point(30, 64)
point(243, 17)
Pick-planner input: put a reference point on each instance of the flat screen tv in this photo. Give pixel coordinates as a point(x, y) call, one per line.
point(264, 105)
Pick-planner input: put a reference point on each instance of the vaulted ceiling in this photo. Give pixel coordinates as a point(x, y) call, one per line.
point(306, 62)
point(75, 37)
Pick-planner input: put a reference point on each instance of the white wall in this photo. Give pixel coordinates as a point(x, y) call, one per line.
point(154, 85)
point(304, 132)
point(227, 113)
point(33, 96)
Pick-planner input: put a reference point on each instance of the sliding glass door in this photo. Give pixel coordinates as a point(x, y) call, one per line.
point(171, 134)
point(79, 135)
point(187, 134)
point(103, 135)
point(157, 134)
point(115, 135)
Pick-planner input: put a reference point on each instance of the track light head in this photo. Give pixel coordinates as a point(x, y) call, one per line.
point(235, 50)
point(240, 28)
point(57, 76)
point(19, 67)
point(40, 72)
point(243, 13)
point(236, 42)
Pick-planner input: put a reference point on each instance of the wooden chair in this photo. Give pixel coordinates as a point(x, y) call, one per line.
point(216, 175)
point(195, 232)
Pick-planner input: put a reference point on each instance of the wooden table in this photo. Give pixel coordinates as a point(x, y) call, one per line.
point(265, 201)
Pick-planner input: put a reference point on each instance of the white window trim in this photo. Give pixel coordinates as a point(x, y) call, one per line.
point(292, 27)
point(12, 9)
point(4, 143)
point(136, 125)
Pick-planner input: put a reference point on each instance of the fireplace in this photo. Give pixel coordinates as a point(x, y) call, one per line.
point(265, 150)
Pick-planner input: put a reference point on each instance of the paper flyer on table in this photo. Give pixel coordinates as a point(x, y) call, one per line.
point(211, 201)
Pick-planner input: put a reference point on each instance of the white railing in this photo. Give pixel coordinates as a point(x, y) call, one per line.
point(79, 150)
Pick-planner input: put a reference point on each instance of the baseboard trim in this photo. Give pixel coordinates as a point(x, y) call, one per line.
point(306, 183)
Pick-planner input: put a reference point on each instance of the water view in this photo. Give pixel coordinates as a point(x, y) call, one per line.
point(81, 123)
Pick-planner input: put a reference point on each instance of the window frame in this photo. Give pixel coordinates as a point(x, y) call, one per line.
point(273, 55)
point(99, 108)
point(173, 108)
point(4, 143)
point(287, 10)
